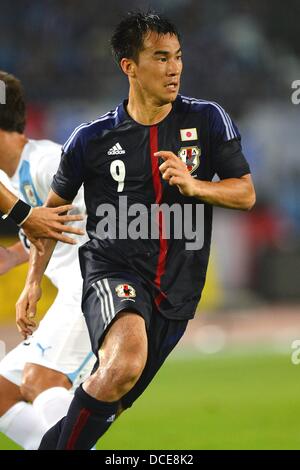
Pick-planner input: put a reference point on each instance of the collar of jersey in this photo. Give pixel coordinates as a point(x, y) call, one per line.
point(124, 116)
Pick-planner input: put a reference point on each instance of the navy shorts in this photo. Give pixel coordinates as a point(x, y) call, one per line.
point(109, 296)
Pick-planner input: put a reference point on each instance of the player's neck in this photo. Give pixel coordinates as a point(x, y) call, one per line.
point(146, 111)
point(14, 144)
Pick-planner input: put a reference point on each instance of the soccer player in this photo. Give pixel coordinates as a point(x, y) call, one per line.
point(156, 148)
point(38, 222)
point(36, 376)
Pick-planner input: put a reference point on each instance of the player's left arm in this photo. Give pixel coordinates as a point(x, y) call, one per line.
point(38, 261)
point(233, 193)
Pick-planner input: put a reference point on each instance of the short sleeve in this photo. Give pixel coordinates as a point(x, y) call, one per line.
point(222, 128)
point(69, 176)
point(228, 160)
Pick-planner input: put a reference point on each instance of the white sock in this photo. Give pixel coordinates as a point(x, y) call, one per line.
point(26, 424)
point(22, 424)
point(52, 405)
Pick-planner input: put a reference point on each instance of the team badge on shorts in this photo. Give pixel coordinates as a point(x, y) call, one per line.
point(191, 157)
point(125, 291)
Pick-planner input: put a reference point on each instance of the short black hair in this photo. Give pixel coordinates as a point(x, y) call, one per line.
point(13, 112)
point(128, 37)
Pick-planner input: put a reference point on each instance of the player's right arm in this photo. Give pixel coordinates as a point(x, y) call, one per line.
point(38, 261)
point(46, 222)
point(43, 222)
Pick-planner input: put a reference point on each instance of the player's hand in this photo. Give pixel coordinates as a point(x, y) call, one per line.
point(26, 309)
point(6, 260)
point(46, 222)
point(176, 173)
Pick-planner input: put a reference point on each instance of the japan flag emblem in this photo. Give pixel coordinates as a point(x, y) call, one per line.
point(188, 134)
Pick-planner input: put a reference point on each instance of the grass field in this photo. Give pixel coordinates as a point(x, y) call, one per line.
point(228, 401)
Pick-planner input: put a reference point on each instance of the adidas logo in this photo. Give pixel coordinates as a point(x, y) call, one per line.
point(111, 419)
point(116, 150)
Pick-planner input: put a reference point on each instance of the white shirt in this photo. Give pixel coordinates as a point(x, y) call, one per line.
point(31, 182)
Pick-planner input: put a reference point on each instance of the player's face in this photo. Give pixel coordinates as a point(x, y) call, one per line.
point(159, 67)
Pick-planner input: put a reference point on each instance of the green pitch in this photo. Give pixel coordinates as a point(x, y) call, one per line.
point(227, 401)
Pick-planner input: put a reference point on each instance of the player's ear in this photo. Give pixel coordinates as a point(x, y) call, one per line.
point(128, 67)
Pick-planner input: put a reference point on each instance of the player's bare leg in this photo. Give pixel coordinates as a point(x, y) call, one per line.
point(19, 420)
point(24, 422)
point(10, 394)
point(123, 356)
point(36, 379)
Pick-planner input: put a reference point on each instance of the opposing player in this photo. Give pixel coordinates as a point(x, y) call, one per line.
point(142, 283)
point(36, 376)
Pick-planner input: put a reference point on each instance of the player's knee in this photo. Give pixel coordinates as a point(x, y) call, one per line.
point(9, 395)
point(116, 380)
point(125, 376)
point(37, 379)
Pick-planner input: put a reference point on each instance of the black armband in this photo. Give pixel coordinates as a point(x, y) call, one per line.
point(19, 213)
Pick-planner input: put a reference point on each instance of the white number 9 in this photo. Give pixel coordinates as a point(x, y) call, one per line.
point(118, 172)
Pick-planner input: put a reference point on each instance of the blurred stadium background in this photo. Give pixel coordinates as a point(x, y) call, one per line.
point(231, 383)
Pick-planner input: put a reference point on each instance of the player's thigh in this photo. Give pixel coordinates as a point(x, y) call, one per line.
point(117, 311)
point(10, 394)
point(125, 341)
point(36, 379)
point(122, 358)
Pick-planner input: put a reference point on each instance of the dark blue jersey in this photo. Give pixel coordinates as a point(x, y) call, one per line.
point(113, 158)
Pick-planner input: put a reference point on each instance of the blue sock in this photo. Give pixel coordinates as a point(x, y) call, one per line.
point(86, 421)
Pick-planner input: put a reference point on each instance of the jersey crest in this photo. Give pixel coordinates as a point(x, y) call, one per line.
point(27, 189)
point(191, 157)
